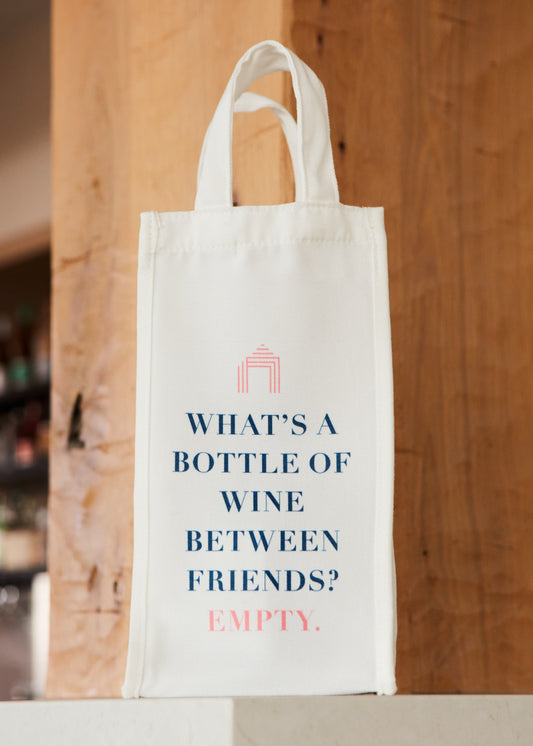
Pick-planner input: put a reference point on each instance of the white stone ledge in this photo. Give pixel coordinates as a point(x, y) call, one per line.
point(433, 720)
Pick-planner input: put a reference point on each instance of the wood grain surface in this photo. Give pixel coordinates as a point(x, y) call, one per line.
point(134, 87)
point(432, 117)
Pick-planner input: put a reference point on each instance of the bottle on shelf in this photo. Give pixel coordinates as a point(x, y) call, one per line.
point(40, 345)
point(26, 434)
point(7, 441)
point(6, 328)
point(20, 372)
point(22, 532)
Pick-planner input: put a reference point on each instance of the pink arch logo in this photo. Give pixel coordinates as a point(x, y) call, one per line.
point(261, 358)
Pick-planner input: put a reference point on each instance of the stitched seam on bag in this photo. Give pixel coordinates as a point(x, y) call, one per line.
point(268, 208)
point(255, 244)
point(377, 602)
point(154, 225)
point(378, 581)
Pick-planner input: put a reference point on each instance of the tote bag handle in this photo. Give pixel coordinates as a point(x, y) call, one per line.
point(248, 102)
point(314, 172)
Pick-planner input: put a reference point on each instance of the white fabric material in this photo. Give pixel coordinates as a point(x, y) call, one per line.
point(315, 160)
point(263, 558)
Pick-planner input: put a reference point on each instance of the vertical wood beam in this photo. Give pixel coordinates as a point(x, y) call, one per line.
point(432, 117)
point(134, 86)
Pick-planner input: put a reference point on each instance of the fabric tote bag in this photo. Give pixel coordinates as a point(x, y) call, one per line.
point(263, 557)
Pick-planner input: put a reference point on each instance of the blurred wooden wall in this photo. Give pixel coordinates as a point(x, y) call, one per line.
point(432, 117)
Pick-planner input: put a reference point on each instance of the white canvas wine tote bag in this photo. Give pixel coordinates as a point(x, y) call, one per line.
point(263, 557)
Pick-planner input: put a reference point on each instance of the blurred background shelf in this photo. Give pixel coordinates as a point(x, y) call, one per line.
point(25, 231)
point(17, 476)
point(18, 397)
point(22, 577)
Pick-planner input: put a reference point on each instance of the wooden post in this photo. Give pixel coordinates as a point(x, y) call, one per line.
point(135, 85)
point(431, 117)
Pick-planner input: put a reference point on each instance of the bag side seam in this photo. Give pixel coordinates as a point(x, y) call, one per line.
point(383, 585)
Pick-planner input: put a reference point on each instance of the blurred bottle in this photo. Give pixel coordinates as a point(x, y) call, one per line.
point(20, 371)
point(4, 524)
point(6, 328)
point(41, 344)
point(23, 531)
point(7, 440)
point(26, 434)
